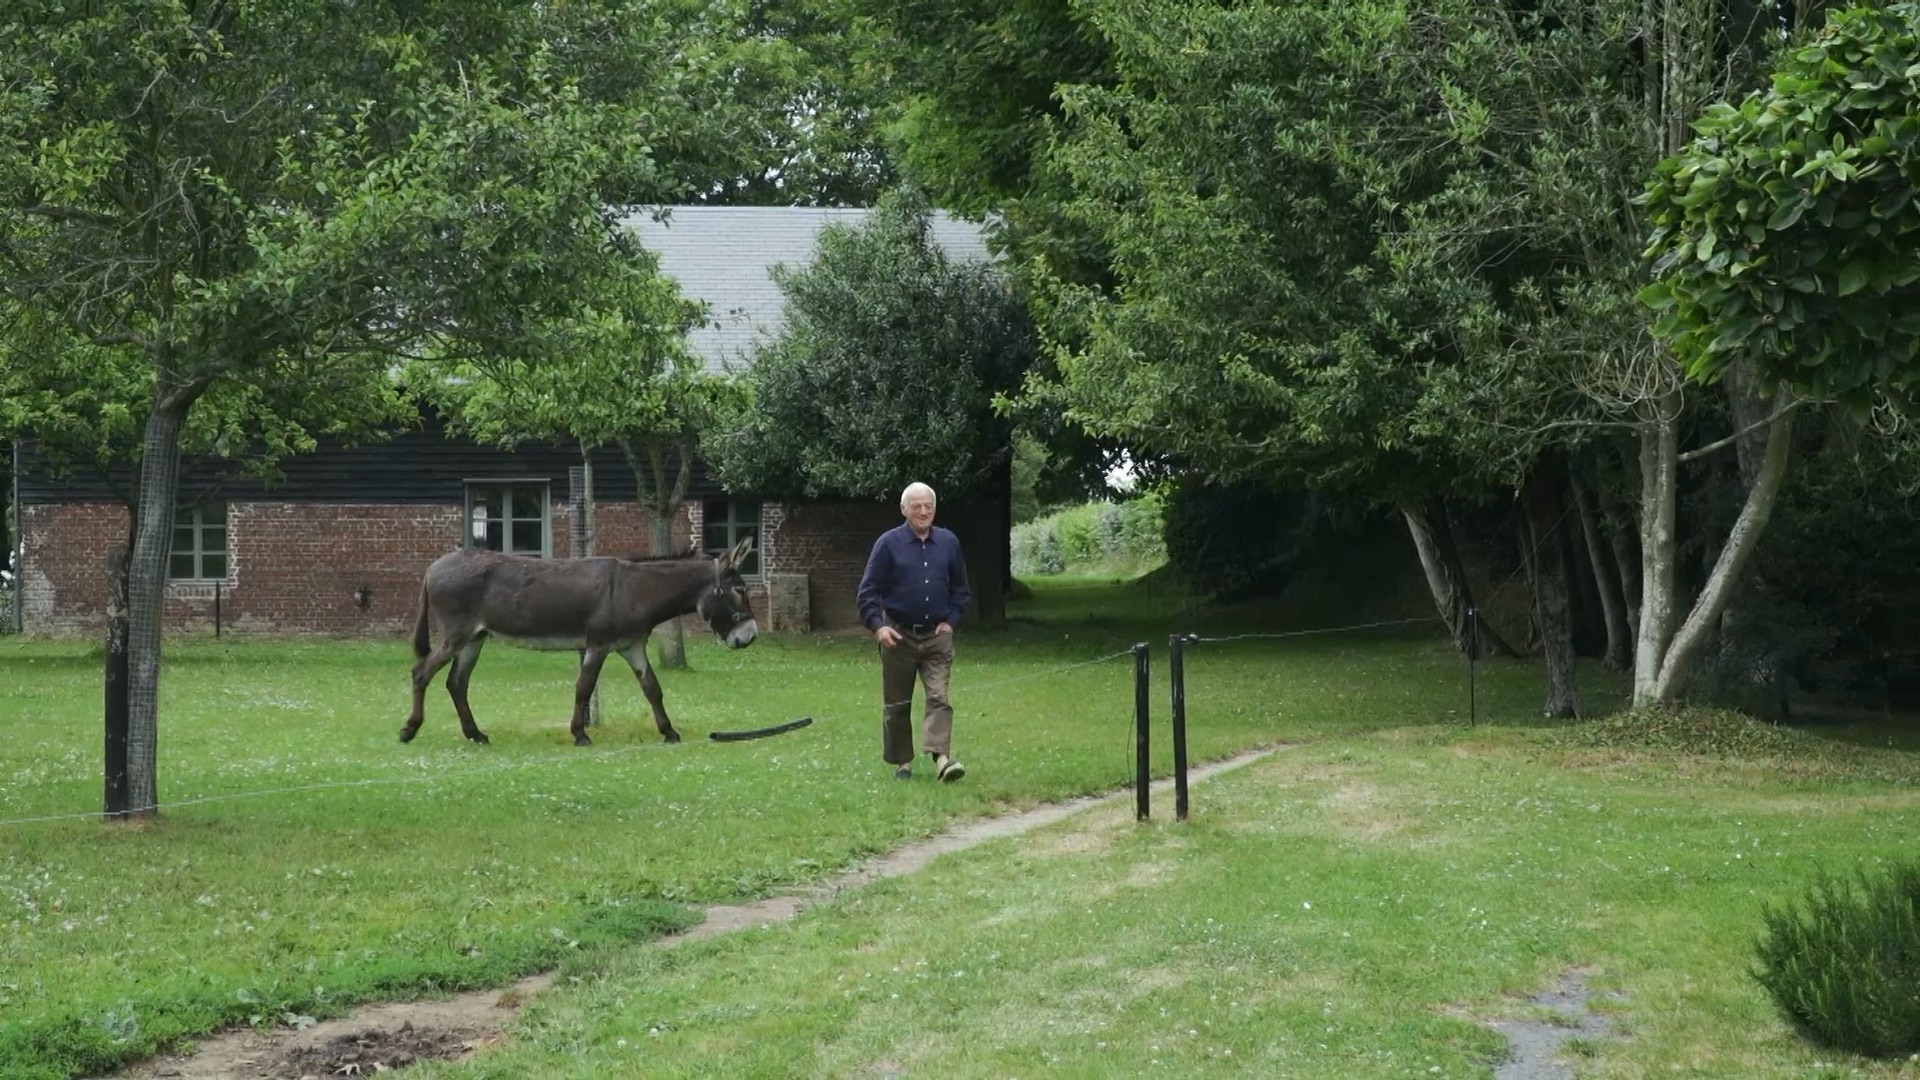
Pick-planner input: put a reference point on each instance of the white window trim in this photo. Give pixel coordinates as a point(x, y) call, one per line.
point(200, 552)
point(509, 482)
point(758, 522)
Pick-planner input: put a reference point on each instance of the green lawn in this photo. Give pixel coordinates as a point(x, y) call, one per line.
point(1445, 866)
point(1353, 907)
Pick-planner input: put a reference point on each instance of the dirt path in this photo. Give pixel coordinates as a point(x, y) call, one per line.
point(1535, 1045)
point(393, 1036)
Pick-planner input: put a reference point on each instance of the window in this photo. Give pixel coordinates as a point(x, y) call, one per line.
point(510, 518)
point(199, 543)
point(726, 523)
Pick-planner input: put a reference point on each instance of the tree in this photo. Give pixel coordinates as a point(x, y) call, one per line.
point(674, 421)
point(1265, 314)
point(1779, 238)
point(973, 87)
point(267, 207)
point(886, 372)
point(887, 369)
point(621, 377)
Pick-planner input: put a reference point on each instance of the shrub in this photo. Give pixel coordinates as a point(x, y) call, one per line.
point(1101, 537)
point(1234, 539)
point(1074, 530)
point(1107, 522)
point(1845, 968)
point(1047, 558)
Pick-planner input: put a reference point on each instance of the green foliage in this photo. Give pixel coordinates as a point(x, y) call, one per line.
point(1783, 234)
point(625, 377)
point(1238, 539)
point(885, 373)
point(1844, 964)
point(1395, 293)
point(1103, 538)
point(1029, 461)
point(975, 82)
point(245, 216)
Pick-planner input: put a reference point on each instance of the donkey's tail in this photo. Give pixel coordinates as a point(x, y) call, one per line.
point(422, 643)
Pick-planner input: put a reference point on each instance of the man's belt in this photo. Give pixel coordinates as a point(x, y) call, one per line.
point(912, 627)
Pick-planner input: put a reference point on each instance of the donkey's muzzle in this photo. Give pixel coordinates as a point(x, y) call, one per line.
point(741, 635)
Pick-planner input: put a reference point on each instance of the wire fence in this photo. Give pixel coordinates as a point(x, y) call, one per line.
point(456, 775)
point(974, 692)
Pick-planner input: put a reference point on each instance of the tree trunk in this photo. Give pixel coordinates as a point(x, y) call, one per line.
point(1447, 580)
point(1544, 506)
point(147, 595)
point(580, 540)
point(1627, 564)
point(1588, 608)
point(671, 637)
point(1748, 411)
point(1659, 479)
point(663, 505)
point(1741, 542)
point(116, 799)
point(1619, 651)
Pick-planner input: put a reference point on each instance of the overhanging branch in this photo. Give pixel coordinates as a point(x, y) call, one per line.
point(1722, 444)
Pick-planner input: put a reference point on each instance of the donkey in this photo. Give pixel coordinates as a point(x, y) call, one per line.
point(602, 605)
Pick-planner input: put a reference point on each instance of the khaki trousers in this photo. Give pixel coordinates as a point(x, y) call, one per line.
point(928, 657)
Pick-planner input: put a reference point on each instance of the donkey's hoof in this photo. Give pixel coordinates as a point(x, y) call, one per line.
point(582, 740)
point(673, 736)
point(480, 737)
point(407, 733)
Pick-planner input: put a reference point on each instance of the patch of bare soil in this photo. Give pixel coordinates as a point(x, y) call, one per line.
point(1534, 1045)
point(376, 1039)
point(390, 1037)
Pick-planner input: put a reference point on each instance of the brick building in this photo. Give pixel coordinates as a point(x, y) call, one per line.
point(338, 544)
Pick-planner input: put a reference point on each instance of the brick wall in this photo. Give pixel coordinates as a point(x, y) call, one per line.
point(829, 543)
point(292, 567)
point(63, 576)
point(619, 528)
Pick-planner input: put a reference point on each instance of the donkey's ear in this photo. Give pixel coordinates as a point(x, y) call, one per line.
point(740, 552)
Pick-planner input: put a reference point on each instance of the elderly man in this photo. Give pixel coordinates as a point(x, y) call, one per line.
point(912, 595)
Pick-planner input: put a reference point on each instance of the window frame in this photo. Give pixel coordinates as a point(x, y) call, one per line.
point(507, 486)
point(733, 527)
point(193, 518)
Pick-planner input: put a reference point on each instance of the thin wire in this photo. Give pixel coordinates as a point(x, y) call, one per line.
point(454, 774)
point(1534, 553)
point(374, 781)
point(603, 756)
point(1023, 678)
point(1323, 630)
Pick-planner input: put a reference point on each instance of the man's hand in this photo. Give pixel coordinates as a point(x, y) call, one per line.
point(887, 636)
point(943, 628)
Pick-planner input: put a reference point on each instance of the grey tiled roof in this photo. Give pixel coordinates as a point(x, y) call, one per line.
point(724, 255)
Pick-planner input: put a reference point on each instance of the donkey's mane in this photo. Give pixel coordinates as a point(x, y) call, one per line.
point(690, 553)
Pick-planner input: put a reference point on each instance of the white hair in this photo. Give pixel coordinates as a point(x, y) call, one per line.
point(917, 488)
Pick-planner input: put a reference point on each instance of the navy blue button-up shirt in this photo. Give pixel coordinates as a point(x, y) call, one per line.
point(918, 582)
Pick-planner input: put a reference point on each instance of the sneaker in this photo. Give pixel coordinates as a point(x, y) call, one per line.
point(904, 772)
point(947, 769)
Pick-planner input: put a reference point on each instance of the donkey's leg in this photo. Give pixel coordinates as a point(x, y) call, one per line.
point(636, 656)
point(583, 693)
point(463, 662)
point(423, 673)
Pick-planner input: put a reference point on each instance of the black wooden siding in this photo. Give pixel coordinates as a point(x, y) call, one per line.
point(425, 465)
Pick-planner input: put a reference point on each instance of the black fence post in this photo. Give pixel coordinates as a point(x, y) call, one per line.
point(1177, 672)
point(1473, 656)
point(216, 609)
point(1141, 772)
